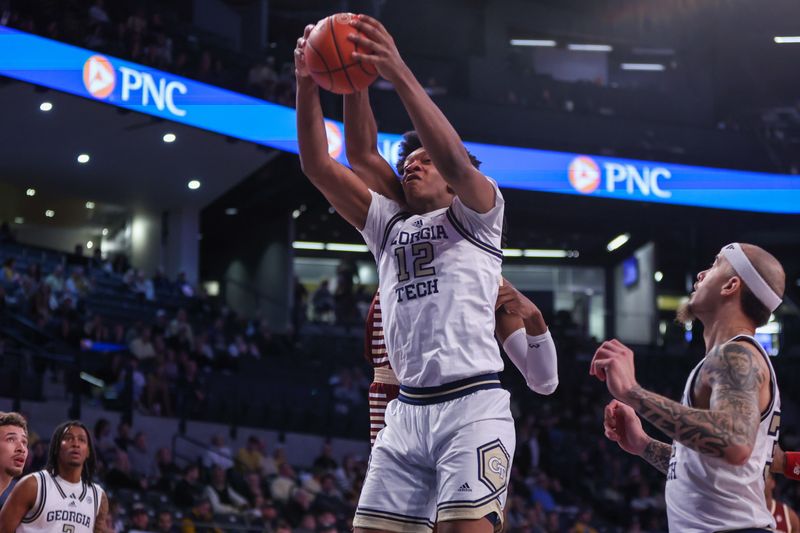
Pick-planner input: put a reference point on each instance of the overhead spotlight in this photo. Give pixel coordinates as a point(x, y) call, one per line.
point(331, 210)
point(658, 276)
point(19, 220)
point(793, 39)
point(643, 67)
point(618, 241)
point(589, 47)
point(231, 211)
point(89, 205)
point(90, 245)
point(194, 184)
point(45, 106)
point(296, 213)
point(105, 232)
point(31, 192)
point(169, 137)
point(533, 42)
point(49, 213)
point(83, 158)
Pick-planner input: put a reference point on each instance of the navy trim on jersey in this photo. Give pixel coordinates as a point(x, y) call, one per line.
point(396, 517)
point(488, 248)
point(84, 490)
point(389, 225)
point(58, 486)
point(690, 395)
point(42, 499)
point(96, 501)
point(448, 391)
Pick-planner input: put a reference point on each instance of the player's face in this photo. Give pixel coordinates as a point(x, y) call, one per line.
point(13, 449)
point(709, 282)
point(74, 447)
point(421, 179)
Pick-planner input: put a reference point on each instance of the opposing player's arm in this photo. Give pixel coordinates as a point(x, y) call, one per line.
point(728, 428)
point(437, 135)
point(361, 143)
point(342, 188)
point(521, 329)
point(101, 521)
point(21, 500)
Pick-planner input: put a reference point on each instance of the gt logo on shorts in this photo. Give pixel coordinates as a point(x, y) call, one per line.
point(493, 465)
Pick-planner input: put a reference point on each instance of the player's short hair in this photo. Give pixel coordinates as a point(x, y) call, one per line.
point(89, 466)
point(411, 142)
point(13, 419)
point(753, 308)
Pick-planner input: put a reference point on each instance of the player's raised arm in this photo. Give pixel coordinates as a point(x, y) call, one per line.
point(343, 189)
point(438, 136)
point(727, 429)
point(361, 143)
point(21, 500)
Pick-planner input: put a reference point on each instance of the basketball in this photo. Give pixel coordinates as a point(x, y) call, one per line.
point(329, 56)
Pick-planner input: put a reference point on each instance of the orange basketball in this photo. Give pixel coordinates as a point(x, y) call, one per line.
point(329, 56)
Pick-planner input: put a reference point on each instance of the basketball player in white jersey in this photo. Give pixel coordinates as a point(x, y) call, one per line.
point(445, 453)
point(727, 423)
point(62, 497)
point(519, 325)
point(13, 448)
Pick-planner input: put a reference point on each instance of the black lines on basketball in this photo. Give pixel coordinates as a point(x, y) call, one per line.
point(322, 58)
point(342, 61)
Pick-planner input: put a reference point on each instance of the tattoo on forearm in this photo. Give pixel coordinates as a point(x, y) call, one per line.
point(735, 379)
point(658, 454)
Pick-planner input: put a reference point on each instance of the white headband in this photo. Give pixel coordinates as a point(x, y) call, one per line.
point(745, 269)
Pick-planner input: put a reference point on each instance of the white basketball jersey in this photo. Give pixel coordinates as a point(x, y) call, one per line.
point(439, 275)
point(62, 506)
point(707, 494)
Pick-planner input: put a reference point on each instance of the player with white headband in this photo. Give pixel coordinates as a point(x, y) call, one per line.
point(725, 427)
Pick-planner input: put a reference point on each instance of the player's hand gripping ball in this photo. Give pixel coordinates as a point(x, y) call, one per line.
point(329, 56)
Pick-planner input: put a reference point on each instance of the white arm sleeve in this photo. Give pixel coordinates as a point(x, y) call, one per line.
point(535, 357)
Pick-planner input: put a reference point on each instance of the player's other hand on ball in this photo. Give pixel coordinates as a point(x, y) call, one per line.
point(514, 302)
point(381, 51)
point(300, 68)
point(622, 426)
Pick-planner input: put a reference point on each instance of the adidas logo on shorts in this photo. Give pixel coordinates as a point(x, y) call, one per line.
point(464, 488)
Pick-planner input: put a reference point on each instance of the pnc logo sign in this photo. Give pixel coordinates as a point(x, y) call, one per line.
point(335, 142)
point(585, 176)
point(137, 86)
point(98, 76)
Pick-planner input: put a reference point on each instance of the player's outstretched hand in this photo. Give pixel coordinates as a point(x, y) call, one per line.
point(300, 68)
point(514, 302)
point(622, 426)
point(613, 363)
point(381, 51)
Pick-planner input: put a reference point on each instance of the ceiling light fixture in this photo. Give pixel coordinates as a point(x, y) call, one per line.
point(105, 232)
point(31, 192)
point(89, 205)
point(19, 220)
point(194, 184)
point(793, 39)
point(658, 276)
point(49, 213)
point(590, 47)
point(45, 106)
point(169, 137)
point(533, 42)
point(231, 211)
point(83, 158)
point(644, 67)
point(90, 245)
point(618, 241)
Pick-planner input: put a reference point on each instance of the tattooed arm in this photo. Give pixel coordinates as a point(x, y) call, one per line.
point(657, 453)
point(623, 426)
point(728, 428)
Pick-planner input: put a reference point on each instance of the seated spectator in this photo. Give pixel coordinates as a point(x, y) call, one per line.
point(329, 499)
point(200, 514)
point(55, 280)
point(253, 490)
point(165, 522)
point(119, 476)
point(322, 303)
point(140, 520)
point(10, 275)
point(224, 500)
point(583, 523)
point(250, 457)
point(189, 489)
point(168, 472)
point(180, 330)
point(77, 284)
point(298, 511)
point(142, 345)
point(284, 485)
point(218, 454)
point(142, 460)
point(325, 460)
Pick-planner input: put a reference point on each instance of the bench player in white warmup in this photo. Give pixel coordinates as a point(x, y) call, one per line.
point(445, 453)
point(726, 426)
point(61, 498)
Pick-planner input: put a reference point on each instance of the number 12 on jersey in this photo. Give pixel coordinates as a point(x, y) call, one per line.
point(420, 267)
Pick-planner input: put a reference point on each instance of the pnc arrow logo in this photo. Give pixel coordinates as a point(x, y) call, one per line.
point(335, 142)
point(98, 76)
point(584, 174)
